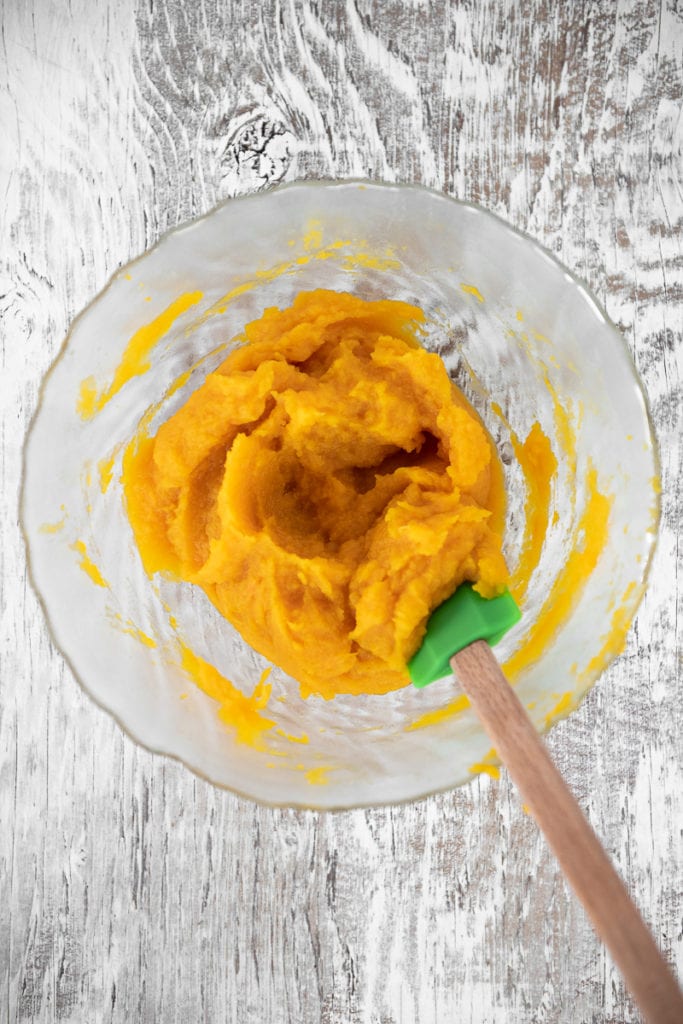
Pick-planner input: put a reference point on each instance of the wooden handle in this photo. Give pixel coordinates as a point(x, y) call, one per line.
point(578, 850)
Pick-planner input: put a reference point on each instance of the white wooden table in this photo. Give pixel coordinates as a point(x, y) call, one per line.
point(130, 891)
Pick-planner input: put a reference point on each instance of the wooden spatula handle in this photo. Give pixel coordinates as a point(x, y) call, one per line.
point(581, 857)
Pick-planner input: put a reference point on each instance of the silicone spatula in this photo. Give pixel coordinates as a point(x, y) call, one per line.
point(459, 635)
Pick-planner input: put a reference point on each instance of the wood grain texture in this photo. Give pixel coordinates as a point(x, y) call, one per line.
point(131, 891)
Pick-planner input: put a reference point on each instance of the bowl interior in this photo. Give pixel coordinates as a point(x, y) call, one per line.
point(518, 334)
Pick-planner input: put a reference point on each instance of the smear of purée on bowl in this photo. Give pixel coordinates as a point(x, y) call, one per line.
point(324, 461)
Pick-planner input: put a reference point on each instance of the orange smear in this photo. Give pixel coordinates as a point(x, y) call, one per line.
point(371, 262)
point(54, 527)
point(440, 714)
point(313, 239)
point(136, 357)
point(87, 565)
point(565, 431)
point(561, 709)
point(569, 585)
point(242, 713)
point(222, 304)
point(539, 466)
point(471, 289)
point(310, 242)
point(485, 769)
point(105, 468)
point(132, 630)
point(487, 765)
point(292, 739)
point(614, 641)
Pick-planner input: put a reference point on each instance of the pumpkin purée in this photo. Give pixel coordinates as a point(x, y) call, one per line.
point(327, 487)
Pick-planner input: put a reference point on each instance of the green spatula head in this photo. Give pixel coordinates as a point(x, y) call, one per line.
point(460, 620)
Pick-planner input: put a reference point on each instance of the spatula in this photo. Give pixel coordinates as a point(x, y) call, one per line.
point(460, 634)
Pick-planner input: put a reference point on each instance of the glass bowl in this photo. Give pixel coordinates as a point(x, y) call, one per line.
point(524, 340)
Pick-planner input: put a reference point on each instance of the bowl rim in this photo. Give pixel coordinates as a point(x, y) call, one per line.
point(321, 184)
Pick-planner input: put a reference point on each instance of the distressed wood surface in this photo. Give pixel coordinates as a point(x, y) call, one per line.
point(132, 891)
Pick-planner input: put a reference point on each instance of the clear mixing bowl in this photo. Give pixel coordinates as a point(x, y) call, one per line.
point(519, 335)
